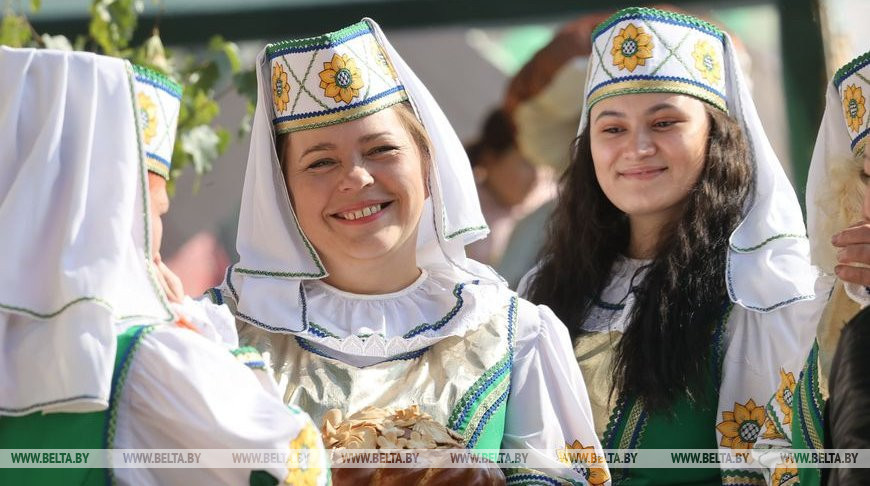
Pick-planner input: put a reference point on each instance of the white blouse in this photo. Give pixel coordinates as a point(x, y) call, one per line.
point(185, 390)
point(547, 406)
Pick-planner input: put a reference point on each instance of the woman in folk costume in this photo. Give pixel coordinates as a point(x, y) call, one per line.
point(836, 199)
point(90, 356)
point(677, 254)
point(353, 274)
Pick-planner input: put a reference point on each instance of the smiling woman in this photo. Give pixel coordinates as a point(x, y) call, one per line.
point(676, 254)
point(358, 203)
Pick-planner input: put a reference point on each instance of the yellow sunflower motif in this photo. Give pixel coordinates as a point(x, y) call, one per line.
point(785, 394)
point(853, 105)
point(785, 473)
point(740, 428)
point(770, 431)
point(147, 116)
point(707, 62)
point(340, 78)
point(576, 453)
point(381, 60)
point(307, 473)
point(280, 88)
point(632, 47)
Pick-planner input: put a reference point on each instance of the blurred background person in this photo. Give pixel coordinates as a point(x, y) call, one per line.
point(509, 186)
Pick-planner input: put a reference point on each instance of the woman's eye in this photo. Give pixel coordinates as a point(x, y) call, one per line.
point(664, 124)
point(321, 163)
point(612, 130)
point(382, 149)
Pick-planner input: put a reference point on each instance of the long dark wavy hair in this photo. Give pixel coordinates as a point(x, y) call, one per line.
point(664, 352)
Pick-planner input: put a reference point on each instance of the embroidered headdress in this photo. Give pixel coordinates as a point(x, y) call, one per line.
point(331, 78)
point(835, 190)
point(641, 50)
point(309, 83)
point(852, 82)
point(645, 50)
point(158, 101)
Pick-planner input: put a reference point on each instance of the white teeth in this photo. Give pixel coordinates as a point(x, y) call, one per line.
point(360, 213)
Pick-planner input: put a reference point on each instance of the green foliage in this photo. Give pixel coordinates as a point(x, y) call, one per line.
point(207, 77)
point(14, 30)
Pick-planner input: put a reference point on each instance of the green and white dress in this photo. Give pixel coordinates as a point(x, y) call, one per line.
point(748, 350)
point(492, 367)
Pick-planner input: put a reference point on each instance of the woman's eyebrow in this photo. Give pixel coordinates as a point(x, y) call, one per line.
point(372, 136)
point(319, 147)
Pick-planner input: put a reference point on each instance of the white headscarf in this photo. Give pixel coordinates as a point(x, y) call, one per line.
point(275, 255)
point(768, 263)
point(74, 218)
point(834, 187)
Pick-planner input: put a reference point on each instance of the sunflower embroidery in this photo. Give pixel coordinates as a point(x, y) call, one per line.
point(784, 473)
point(381, 60)
point(340, 78)
point(280, 88)
point(740, 428)
point(785, 394)
point(632, 47)
point(576, 453)
point(707, 62)
point(305, 474)
point(853, 105)
point(147, 116)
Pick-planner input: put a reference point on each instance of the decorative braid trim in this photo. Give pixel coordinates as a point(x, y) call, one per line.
point(530, 477)
point(332, 116)
point(250, 357)
point(772, 238)
point(466, 230)
point(119, 379)
point(734, 477)
point(318, 42)
point(655, 84)
point(158, 80)
point(457, 292)
point(851, 68)
point(660, 15)
point(488, 392)
point(810, 405)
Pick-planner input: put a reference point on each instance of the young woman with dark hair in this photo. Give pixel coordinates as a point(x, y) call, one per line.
point(677, 255)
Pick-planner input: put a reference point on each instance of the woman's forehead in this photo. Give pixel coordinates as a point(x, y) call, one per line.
point(382, 123)
point(644, 103)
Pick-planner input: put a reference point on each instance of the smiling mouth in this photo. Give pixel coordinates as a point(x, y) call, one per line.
point(362, 212)
point(643, 172)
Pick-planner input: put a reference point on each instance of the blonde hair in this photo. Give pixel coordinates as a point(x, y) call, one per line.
point(840, 202)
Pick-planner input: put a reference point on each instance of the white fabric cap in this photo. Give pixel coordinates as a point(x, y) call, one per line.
point(768, 263)
point(834, 187)
point(274, 252)
point(74, 215)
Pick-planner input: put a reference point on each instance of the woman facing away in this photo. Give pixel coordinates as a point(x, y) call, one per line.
point(358, 202)
point(677, 255)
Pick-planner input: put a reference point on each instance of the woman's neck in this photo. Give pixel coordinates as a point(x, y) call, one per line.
point(646, 234)
point(373, 276)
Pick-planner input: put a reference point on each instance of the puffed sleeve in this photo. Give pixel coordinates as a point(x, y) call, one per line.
point(184, 392)
point(764, 353)
point(548, 409)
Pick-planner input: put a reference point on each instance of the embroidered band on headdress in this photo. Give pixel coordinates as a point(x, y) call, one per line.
point(158, 102)
point(645, 50)
point(331, 78)
point(853, 84)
